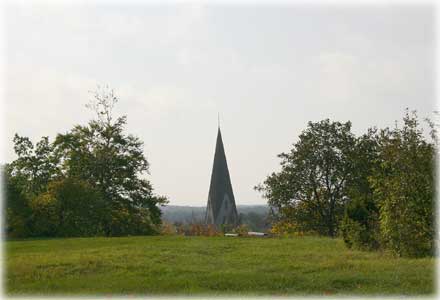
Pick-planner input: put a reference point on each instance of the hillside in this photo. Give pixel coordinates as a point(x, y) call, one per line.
point(170, 265)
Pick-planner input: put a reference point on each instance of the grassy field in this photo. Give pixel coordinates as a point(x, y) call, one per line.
point(172, 265)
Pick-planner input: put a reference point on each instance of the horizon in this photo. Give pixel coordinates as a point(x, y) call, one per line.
point(266, 70)
point(204, 206)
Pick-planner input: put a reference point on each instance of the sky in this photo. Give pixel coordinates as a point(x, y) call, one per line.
point(267, 69)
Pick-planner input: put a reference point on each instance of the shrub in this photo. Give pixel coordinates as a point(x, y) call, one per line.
point(131, 221)
point(81, 207)
point(242, 230)
point(70, 207)
point(16, 225)
point(197, 229)
point(359, 226)
point(286, 228)
point(168, 229)
point(45, 215)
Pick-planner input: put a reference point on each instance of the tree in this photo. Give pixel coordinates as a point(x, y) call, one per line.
point(45, 215)
point(16, 205)
point(360, 225)
point(89, 181)
point(113, 163)
point(81, 208)
point(310, 190)
point(404, 184)
point(25, 178)
point(35, 165)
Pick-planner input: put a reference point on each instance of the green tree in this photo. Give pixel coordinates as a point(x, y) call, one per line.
point(89, 181)
point(25, 178)
point(81, 208)
point(310, 190)
point(113, 162)
point(45, 215)
point(18, 212)
point(35, 165)
point(69, 207)
point(405, 188)
point(360, 225)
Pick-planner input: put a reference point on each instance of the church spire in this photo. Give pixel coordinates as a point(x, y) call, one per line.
point(221, 207)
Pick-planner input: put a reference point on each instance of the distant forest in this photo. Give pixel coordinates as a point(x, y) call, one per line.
point(256, 217)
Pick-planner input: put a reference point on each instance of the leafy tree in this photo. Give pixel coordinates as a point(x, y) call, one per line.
point(67, 208)
point(25, 178)
point(405, 187)
point(16, 205)
point(89, 181)
point(113, 163)
point(35, 165)
point(81, 208)
point(360, 225)
point(45, 215)
point(310, 190)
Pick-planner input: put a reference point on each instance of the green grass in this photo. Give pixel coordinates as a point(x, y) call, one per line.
point(171, 265)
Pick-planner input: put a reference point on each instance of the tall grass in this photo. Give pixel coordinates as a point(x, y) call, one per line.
point(209, 265)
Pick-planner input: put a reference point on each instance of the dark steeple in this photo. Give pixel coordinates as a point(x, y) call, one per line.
point(221, 202)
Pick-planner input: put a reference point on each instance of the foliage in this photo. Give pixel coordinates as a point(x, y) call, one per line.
point(168, 229)
point(198, 229)
point(311, 186)
point(286, 228)
point(376, 190)
point(242, 230)
point(89, 181)
point(45, 215)
point(404, 185)
point(35, 166)
point(17, 207)
point(360, 225)
point(101, 154)
point(71, 207)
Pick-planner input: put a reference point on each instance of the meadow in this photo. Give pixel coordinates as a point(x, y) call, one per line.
point(179, 265)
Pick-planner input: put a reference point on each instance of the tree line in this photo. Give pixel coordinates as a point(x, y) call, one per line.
point(90, 181)
point(375, 190)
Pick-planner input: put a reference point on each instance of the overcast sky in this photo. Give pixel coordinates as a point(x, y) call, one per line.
point(267, 69)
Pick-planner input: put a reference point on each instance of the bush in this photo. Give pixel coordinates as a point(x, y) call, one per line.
point(358, 236)
point(70, 207)
point(131, 221)
point(242, 230)
point(359, 226)
point(285, 228)
point(82, 208)
point(45, 215)
point(168, 229)
point(16, 225)
point(197, 229)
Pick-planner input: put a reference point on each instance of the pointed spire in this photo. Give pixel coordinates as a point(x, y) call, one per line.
point(221, 208)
